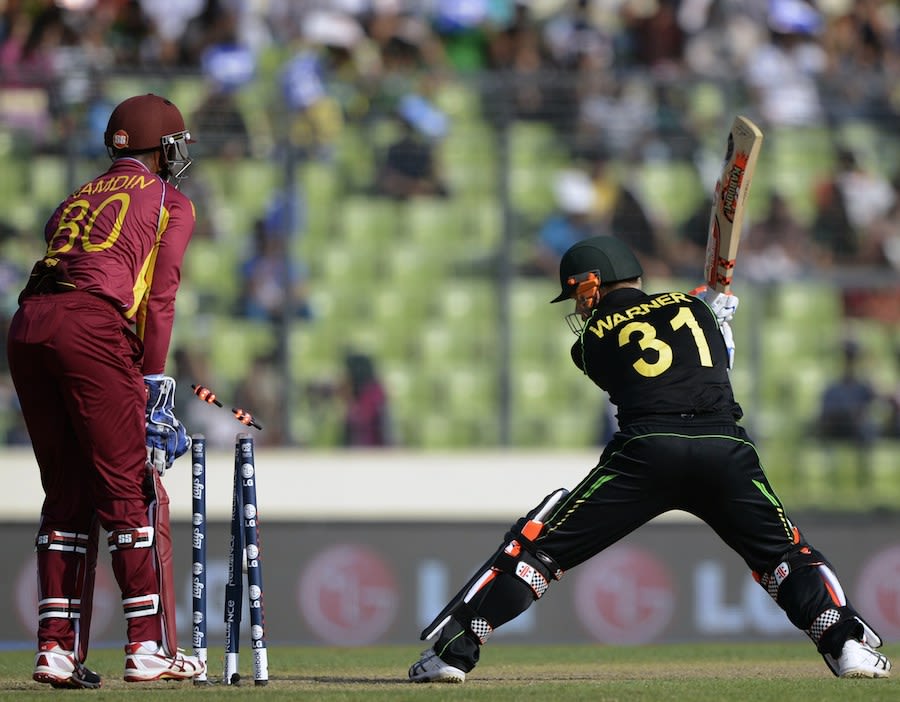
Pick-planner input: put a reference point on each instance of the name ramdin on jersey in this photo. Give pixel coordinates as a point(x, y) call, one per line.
point(122, 182)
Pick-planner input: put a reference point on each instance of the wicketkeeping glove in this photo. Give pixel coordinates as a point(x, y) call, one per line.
point(167, 439)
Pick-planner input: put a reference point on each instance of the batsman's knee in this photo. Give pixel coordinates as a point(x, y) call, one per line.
point(519, 562)
point(522, 557)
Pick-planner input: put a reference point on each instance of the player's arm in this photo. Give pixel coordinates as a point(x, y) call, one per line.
point(723, 306)
point(158, 309)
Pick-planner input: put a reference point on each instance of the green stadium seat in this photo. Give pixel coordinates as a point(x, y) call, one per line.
point(354, 159)
point(14, 180)
point(254, 183)
point(806, 301)
point(531, 190)
point(371, 224)
point(211, 268)
point(872, 147)
point(458, 101)
point(186, 91)
point(316, 351)
point(671, 189)
point(318, 182)
point(48, 183)
point(467, 159)
point(535, 144)
point(539, 330)
point(791, 162)
point(432, 221)
point(234, 342)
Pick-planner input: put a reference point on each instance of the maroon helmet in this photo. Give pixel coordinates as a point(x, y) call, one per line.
point(146, 122)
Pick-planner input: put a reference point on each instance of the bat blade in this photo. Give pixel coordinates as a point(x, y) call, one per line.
point(727, 215)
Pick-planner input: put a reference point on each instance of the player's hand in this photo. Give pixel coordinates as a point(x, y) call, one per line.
point(723, 305)
point(167, 438)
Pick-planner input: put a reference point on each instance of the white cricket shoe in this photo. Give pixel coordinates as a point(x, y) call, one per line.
point(145, 665)
point(430, 668)
point(859, 660)
point(57, 667)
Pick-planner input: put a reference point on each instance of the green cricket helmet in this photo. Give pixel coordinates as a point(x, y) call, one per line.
point(609, 258)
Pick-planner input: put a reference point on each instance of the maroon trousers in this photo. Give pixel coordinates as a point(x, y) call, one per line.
point(76, 366)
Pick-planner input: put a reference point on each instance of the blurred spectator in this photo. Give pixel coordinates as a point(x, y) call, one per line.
point(778, 247)
point(26, 55)
point(462, 28)
point(521, 87)
point(170, 19)
point(220, 128)
point(584, 51)
point(216, 25)
point(406, 45)
point(318, 82)
point(688, 250)
point(410, 166)
point(192, 367)
point(619, 210)
point(367, 418)
point(571, 222)
point(261, 393)
point(26, 74)
point(847, 409)
point(881, 244)
point(722, 35)
point(782, 74)
point(132, 35)
point(860, 44)
point(356, 404)
point(847, 403)
point(218, 122)
point(847, 202)
point(274, 284)
point(892, 422)
point(617, 116)
point(653, 36)
point(94, 117)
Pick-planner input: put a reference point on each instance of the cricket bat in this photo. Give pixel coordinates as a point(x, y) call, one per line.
point(727, 215)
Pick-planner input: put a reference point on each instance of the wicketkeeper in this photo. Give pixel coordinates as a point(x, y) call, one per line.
point(664, 360)
point(87, 352)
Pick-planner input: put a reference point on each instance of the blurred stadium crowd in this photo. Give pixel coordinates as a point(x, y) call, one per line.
point(510, 126)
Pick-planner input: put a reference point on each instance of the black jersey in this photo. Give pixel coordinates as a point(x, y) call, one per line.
point(660, 354)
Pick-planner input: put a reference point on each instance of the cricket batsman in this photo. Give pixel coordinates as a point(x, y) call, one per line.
point(664, 360)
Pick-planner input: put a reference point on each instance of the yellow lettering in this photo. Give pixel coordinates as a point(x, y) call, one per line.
point(122, 182)
point(611, 321)
point(605, 324)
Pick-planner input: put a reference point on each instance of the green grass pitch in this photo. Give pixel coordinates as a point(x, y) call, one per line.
point(695, 672)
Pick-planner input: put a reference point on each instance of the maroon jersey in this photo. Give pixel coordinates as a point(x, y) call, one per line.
point(122, 237)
